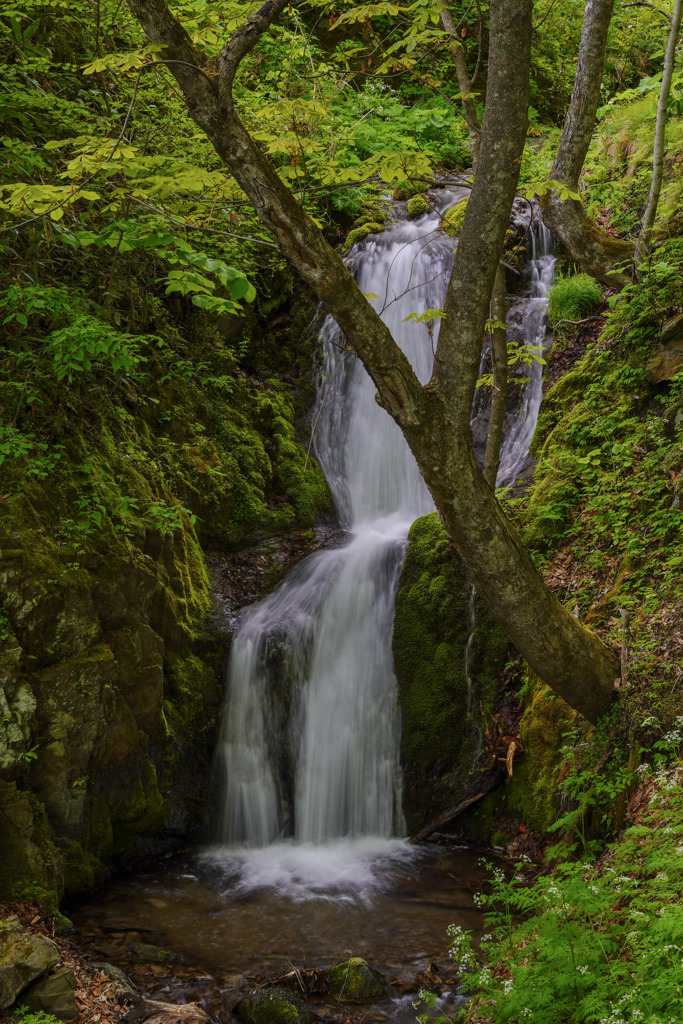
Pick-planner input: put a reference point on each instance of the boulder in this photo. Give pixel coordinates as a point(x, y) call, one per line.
point(667, 359)
point(273, 1006)
point(355, 981)
point(53, 995)
point(23, 958)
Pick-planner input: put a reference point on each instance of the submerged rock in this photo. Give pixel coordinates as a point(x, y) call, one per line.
point(354, 981)
point(273, 1006)
point(23, 958)
point(149, 954)
point(53, 995)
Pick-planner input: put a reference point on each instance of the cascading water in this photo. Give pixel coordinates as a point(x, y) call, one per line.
point(310, 737)
point(526, 322)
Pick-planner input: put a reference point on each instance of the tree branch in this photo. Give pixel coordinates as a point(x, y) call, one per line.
point(298, 237)
point(244, 40)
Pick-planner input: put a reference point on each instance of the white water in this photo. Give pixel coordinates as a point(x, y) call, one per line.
point(310, 739)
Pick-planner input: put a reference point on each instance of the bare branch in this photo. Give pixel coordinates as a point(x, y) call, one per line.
point(642, 3)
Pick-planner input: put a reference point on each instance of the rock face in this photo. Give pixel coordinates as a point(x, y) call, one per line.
point(109, 684)
point(23, 958)
point(354, 981)
point(273, 1006)
point(448, 653)
point(667, 359)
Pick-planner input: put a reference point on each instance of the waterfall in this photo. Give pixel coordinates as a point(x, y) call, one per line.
point(310, 736)
point(526, 321)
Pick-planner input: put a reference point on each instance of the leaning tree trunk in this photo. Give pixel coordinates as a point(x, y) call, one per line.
point(596, 250)
point(499, 361)
point(660, 136)
point(435, 419)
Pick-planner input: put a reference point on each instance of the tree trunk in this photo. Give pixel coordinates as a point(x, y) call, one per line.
point(469, 110)
point(643, 245)
point(435, 419)
point(593, 248)
point(499, 359)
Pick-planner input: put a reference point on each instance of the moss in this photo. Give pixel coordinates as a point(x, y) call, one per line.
point(532, 793)
point(417, 207)
point(273, 1006)
point(439, 709)
point(360, 233)
point(454, 217)
point(354, 981)
point(408, 189)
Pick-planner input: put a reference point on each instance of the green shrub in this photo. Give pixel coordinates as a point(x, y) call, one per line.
point(572, 297)
point(417, 206)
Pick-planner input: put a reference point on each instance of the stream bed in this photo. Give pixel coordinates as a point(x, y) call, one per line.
point(236, 920)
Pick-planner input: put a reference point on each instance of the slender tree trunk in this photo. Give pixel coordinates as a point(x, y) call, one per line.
point(464, 83)
point(593, 248)
point(435, 419)
point(499, 359)
point(660, 135)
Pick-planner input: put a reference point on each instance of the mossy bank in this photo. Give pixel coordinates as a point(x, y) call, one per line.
point(110, 656)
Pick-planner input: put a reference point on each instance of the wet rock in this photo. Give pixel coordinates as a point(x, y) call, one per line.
point(273, 1006)
point(147, 954)
point(354, 981)
point(23, 958)
point(53, 995)
point(122, 980)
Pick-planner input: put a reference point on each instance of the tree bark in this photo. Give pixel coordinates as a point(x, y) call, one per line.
point(499, 359)
point(643, 245)
point(593, 248)
point(435, 420)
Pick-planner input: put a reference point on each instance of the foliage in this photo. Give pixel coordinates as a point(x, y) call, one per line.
point(598, 943)
point(25, 1016)
point(572, 297)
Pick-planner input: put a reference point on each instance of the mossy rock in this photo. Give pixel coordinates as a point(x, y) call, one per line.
point(454, 217)
point(375, 215)
point(145, 953)
point(440, 707)
point(417, 207)
point(532, 792)
point(273, 1006)
point(408, 189)
point(354, 981)
point(359, 234)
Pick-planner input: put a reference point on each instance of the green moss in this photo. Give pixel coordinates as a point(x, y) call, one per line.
point(417, 206)
point(439, 710)
point(360, 233)
point(408, 189)
point(532, 793)
point(273, 1006)
point(354, 981)
point(454, 217)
